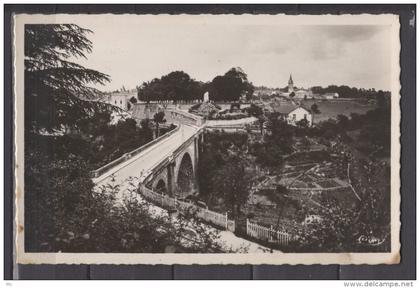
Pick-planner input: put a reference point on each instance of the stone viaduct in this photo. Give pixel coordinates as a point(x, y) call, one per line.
point(176, 175)
point(168, 164)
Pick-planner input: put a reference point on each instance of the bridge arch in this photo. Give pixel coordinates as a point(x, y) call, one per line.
point(160, 183)
point(161, 187)
point(185, 177)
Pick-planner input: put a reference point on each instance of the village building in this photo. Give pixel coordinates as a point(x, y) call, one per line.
point(293, 114)
point(206, 97)
point(330, 96)
point(303, 94)
point(146, 110)
point(299, 93)
point(290, 87)
point(121, 98)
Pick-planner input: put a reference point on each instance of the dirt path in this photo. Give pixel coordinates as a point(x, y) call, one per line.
point(350, 185)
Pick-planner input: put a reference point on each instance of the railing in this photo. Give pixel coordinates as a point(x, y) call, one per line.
point(213, 217)
point(98, 172)
point(230, 225)
point(242, 121)
point(217, 219)
point(234, 129)
point(253, 230)
point(156, 168)
point(176, 115)
point(267, 234)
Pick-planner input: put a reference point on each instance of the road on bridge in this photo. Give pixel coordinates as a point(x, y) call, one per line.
point(148, 158)
point(145, 160)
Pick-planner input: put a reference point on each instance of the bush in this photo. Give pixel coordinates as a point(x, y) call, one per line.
point(194, 107)
point(62, 213)
point(232, 116)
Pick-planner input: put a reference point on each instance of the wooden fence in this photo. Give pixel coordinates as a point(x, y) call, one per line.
point(220, 220)
point(267, 234)
point(213, 217)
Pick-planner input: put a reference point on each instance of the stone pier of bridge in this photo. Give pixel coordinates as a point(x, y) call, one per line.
point(177, 176)
point(170, 165)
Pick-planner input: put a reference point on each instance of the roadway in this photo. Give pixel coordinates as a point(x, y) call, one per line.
point(126, 175)
point(148, 158)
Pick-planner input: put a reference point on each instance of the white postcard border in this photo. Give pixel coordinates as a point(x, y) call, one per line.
point(252, 258)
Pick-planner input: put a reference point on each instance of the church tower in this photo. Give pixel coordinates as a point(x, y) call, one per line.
point(291, 89)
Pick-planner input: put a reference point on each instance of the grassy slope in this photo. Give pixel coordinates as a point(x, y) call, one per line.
point(330, 109)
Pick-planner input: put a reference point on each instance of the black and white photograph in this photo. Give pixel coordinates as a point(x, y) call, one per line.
point(209, 139)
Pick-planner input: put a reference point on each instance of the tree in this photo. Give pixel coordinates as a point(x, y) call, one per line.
point(350, 92)
point(306, 144)
point(315, 109)
point(374, 208)
point(255, 110)
point(133, 100)
point(55, 87)
point(63, 211)
point(64, 214)
point(303, 123)
point(375, 129)
point(220, 149)
point(231, 86)
point(333, 233)
point(55, 192)
point(159, 118)
point(233, 182)
point(145, 123)
point(175, 86)
point(261, 120)
point(277, 143)
point(281, 133)
point(344, 223)
point(381, 99)
point(292, 94)
point(343, 121)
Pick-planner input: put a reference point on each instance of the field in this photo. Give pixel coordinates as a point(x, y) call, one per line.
point(311, 183)
point(332, 108)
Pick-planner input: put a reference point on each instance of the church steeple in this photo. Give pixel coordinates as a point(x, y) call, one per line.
point(290, 86)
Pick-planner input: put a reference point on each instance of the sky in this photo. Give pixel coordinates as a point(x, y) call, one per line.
point(132, 51)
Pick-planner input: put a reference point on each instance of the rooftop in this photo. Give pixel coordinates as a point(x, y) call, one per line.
point(286, 108)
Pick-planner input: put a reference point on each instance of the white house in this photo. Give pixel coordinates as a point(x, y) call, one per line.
point(206, 97)
point(303, 94)
point(121, 98)
point(293, 114)
point(330, 96)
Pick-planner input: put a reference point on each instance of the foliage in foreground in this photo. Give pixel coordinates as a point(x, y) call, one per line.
point(56, 87)
point(66, 135)
point(64, 214)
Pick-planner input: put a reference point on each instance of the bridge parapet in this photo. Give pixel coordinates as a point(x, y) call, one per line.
point(174, 115)
point(231, 123)
point(149, 175)
point(98, 172)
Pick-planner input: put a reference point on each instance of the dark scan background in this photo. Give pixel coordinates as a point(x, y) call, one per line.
point(404, 270)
